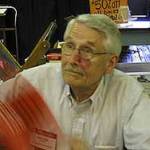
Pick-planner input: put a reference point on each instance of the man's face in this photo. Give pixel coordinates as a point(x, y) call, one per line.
point(78, 71)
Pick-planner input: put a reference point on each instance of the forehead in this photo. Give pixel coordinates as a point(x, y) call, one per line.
point(81, 33)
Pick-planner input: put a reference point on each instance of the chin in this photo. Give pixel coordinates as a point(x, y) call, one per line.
point(74, 82)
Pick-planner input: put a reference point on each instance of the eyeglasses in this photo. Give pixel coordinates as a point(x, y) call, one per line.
point(85, 51)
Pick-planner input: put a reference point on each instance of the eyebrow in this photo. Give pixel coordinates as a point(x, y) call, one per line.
point(91, 43)
point(87, 42)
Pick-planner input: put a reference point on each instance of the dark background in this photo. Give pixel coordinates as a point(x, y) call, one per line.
point(35, 15)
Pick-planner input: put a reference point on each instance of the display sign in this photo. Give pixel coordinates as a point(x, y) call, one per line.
point(115, 9)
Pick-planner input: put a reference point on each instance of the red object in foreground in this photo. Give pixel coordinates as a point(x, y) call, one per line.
point(26, 122)
point(13, 132)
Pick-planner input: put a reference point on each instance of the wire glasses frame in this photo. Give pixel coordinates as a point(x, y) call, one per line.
point(85, 52)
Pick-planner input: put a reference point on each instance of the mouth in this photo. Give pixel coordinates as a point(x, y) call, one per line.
point(74, 72)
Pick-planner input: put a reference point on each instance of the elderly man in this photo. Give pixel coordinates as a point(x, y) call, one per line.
point(97, 105)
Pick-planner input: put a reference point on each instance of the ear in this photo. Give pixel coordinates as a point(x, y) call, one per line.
point(111, 64)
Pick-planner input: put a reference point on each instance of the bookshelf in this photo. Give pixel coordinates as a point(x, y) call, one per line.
point(135, 55)
point(136, 31)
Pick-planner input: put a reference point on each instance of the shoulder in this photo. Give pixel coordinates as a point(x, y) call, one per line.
point(129, 92)
point(125, 82)
point(126, 89)
point(48, 68)
point(42, 71)
point(49, 73)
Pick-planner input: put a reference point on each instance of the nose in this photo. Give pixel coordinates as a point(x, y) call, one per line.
point(75, 56)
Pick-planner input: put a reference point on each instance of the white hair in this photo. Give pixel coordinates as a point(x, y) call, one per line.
point(102, 24)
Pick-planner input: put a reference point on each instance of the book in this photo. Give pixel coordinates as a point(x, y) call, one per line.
point(26, 122)
point(8, 64)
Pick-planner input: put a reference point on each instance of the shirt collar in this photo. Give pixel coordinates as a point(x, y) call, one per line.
point(99, 92)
